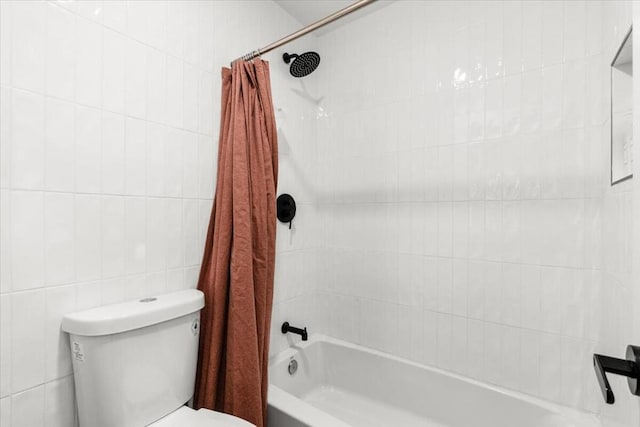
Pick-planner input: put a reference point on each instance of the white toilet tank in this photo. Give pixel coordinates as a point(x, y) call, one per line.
point(135, 362)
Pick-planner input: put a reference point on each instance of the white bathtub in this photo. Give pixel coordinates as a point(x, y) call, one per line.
point(341, 384)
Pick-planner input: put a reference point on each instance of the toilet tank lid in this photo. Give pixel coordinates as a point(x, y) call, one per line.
point(126, 316)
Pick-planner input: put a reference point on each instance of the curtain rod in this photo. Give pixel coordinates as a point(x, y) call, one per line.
point(309, 28)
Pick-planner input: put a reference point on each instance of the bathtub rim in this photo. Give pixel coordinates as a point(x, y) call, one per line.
point(310, 415)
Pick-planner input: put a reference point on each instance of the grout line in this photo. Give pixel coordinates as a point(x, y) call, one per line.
point(102, 109)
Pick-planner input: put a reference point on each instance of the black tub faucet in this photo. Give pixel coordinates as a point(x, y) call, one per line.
point(286, 327)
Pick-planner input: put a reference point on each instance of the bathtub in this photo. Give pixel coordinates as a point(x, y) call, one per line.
point(338, 384)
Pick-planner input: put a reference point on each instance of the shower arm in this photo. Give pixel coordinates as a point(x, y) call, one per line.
point(309, 28)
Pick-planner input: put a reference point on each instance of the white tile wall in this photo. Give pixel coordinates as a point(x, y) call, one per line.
point(481, 218)
point(619, 251)
point(107, 167)
point(478, 225)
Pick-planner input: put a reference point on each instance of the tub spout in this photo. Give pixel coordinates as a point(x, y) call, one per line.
point(286, 327)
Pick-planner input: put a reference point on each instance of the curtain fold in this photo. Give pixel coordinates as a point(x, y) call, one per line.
point(239, 257)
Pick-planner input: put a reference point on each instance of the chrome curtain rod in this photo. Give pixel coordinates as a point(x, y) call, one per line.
point(309, 28)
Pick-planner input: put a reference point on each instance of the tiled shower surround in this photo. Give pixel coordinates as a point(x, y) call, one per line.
point(463, 164)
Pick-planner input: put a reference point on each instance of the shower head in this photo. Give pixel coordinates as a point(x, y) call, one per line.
point(303, 64)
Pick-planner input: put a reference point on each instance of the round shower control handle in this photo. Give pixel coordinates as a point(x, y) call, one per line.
point(285, 208)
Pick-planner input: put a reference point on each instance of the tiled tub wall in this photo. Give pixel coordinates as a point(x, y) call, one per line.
point(460, 163)
point(109, 121)
point(618, 293)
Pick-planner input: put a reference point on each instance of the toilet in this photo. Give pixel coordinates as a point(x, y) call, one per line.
point(134, 363)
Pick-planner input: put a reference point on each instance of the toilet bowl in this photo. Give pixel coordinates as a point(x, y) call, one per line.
point(134, 363)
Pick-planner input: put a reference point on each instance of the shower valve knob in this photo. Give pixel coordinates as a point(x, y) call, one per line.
point(286, 209)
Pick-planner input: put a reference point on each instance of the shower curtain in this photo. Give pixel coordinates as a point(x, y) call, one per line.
point(238, 265)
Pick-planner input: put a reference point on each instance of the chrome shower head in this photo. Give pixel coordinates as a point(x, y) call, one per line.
point(303, 64)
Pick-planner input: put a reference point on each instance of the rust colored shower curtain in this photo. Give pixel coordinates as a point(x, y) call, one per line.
point(238, 265)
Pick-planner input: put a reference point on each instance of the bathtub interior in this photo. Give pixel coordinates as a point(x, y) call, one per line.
point(361, 387)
